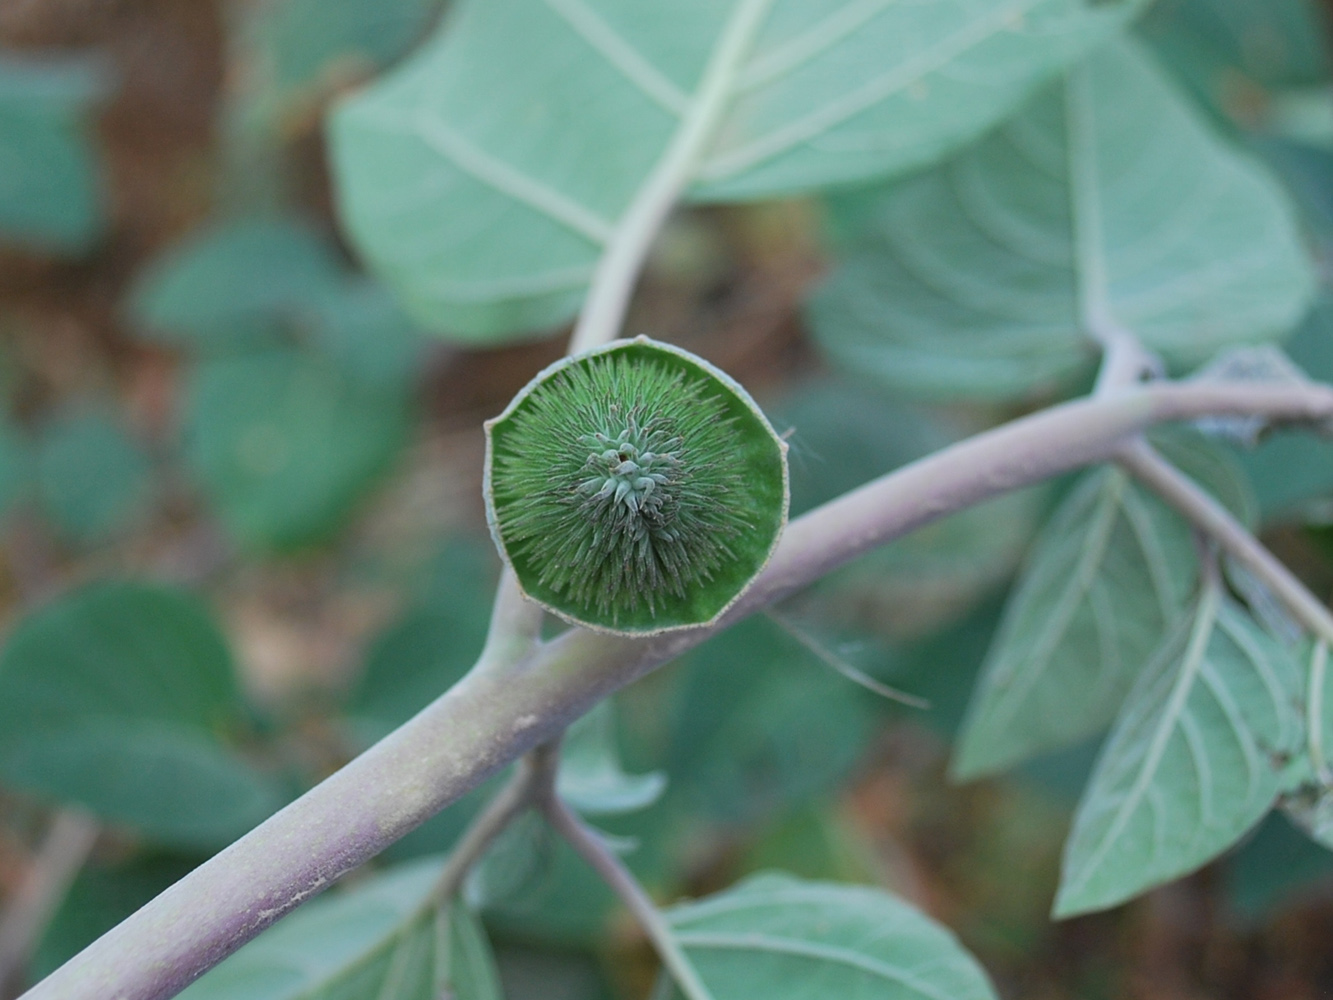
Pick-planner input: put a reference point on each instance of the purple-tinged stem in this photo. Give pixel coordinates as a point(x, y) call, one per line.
point(502, 708)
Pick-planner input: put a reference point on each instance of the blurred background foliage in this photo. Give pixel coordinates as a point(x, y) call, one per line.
point(241, 490)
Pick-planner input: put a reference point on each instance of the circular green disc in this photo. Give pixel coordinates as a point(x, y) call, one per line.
point(635, 488)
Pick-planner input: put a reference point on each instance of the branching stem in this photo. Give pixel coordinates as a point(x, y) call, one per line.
point(536, 771)
point(604, 862)
point(1205, 513)
point(613, 281)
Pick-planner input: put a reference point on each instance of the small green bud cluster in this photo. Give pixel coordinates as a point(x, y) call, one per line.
point(620, 485)
point(629, 471)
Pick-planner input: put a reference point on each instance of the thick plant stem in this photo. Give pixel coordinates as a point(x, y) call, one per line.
point(1210, 517)
point(613, 282)
point(626, 887)
point(501, 710)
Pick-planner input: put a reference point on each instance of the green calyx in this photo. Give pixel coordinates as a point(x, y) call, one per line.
point(635, 488)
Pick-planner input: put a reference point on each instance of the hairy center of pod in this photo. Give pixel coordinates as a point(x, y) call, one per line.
point(628, 470)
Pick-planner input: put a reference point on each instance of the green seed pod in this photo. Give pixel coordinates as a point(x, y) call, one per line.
point(635, 488)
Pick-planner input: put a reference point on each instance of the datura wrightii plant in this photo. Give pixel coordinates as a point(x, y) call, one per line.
point(1071, 213)
point(635, 488)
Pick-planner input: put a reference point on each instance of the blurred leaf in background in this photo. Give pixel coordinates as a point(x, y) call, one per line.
point(299, 397)
point(93, 480)
point(52, 196)
point(1230, 53)
point(121, 697)
point(490, 232)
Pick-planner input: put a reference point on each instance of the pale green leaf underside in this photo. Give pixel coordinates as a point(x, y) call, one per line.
point(484, 178)
point(1194, 760)
point(591, 777)
point(376, 941)
point(778, 936)
point(1112, 573)
point(1108, 199)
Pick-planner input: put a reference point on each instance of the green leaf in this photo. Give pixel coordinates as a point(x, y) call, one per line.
point(1112, 573)
point(1193, 762)
point(233, 283)
point(1108, 201)
point(50, 180)
point(285, 445)
point(485, 177)
point(382, 938)
point(777, 936)
point(92, 478)
point(591, 777)
point(118, 696)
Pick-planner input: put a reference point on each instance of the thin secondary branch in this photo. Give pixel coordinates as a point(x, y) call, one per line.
point(613, 282)
point(626, 887)
point(493, 716)
point(63, 852)
point(1177, 489)
point(536, 771)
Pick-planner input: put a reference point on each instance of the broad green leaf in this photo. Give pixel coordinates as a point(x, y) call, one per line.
point(50, 180)
point(119, 697)
point(591, 777)
point(1194, 760)
point(92, 478)
point(486, 176)
point(285, 445)
point(777, 936)
point(1112, 573)
point(1107, 201)
point(232, 284)
point(383, 938)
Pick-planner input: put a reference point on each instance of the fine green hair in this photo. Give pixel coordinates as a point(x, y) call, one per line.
point(625, 485)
